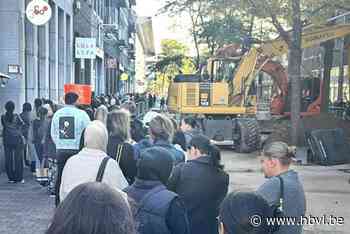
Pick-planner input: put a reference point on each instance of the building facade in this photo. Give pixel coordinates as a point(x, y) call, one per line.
point(145, 51)
point(38, 58)
point(111, 23)
point(88, 23)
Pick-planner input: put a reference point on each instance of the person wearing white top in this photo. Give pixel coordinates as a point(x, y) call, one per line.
point(83, 167)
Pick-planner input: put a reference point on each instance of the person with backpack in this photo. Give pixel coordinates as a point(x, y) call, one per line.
point(85, 166)
point(202, 183)
point(283, 184)
point(13, 141)
point(118, 147)
point(157, 210)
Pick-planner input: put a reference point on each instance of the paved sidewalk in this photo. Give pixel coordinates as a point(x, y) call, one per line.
point(24, 208)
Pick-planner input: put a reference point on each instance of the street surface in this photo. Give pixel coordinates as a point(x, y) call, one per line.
point(27, 209)
point(327, 188)
point(24, 208)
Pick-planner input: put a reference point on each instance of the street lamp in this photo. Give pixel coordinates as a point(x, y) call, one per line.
point(3, 79)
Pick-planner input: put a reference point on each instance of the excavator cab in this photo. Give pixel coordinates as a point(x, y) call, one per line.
point(310, 94)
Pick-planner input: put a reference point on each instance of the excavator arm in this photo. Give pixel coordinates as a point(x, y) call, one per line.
point(260, 59)
point(311, 36)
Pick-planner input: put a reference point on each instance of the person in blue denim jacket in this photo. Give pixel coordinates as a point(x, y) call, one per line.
point(67, 125)
point(161, 132)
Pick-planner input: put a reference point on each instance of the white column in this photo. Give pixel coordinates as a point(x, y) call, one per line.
point(64, 48)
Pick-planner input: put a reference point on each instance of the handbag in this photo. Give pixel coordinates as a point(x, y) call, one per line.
point(101, 169)
point(119, 153)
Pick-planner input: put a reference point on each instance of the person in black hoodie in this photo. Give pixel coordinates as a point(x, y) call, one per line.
point(13, 141)
point(157, 210)
point(202, 183)
point(118, 125)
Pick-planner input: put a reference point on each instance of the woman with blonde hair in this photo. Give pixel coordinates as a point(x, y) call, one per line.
point(101, 114)
point(118, 147)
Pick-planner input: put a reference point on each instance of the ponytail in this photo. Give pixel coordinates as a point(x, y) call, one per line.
point(214, 153)
point(203, 144)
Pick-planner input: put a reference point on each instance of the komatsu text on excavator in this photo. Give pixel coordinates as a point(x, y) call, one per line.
point(229, 97)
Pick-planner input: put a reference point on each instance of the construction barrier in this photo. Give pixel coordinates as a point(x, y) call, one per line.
point(84, 92)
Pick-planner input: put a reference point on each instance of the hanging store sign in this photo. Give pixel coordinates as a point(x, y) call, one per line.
point(38, 12)
point(85, 48)
point(83, 91)
point(124, 77)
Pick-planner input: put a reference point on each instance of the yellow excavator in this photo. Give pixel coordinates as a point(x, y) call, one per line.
point(224, 99)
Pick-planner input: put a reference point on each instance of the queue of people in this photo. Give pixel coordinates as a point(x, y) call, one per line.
point(111, 173)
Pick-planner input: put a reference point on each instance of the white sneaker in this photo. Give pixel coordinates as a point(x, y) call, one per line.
point(22, 182)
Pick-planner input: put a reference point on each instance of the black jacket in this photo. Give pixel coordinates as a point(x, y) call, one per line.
point(202, 187)
point(125, 157)
point(27, 120)
point(49, 145)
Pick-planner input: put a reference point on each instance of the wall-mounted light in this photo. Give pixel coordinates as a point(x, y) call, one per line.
point(4, 79)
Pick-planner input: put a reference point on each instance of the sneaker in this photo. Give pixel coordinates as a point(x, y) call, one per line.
point(22, 181)
point(11, 182)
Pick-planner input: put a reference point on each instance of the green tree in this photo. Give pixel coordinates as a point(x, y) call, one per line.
point(170, 47)
point(284, 14)
point(172, 61)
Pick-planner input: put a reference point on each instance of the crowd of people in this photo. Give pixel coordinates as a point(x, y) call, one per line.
point(112, 173)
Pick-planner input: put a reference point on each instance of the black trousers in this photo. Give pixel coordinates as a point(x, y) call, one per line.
point(14, 162)
point(62, 157)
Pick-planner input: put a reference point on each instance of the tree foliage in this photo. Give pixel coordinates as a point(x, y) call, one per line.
point(172, 61)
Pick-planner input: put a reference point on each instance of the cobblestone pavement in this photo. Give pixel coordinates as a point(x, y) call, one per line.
point(24, 208)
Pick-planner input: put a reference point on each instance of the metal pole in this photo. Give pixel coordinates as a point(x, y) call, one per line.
point(82, 71)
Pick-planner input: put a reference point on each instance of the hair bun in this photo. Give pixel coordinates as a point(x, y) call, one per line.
point(291, 151)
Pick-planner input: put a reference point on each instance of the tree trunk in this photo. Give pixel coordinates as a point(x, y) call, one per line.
point(328, 62)
point(341, 72)
point(294, 62)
